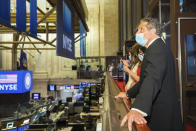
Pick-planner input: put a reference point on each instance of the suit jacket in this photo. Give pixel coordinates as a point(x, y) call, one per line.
point(155, 92)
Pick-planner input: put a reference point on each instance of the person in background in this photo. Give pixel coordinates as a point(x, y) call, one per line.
point(156, 96)
point(111, 67)
point(135, 75)
point(120, 65)
point(140, 55)
point(133, 78)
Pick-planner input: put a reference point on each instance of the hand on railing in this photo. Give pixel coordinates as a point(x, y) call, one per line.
point(121, 95)
point(133, 116)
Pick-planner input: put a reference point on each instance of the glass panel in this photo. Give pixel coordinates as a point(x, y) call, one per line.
point(190, 41)
point(90, 68)
point(187, 6)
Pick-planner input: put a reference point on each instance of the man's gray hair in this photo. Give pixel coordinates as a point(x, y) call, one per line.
point(152, 24)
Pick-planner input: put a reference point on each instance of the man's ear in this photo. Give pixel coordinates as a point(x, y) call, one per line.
point(153, 31)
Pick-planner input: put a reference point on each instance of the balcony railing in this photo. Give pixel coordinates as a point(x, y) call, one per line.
point(115, 110)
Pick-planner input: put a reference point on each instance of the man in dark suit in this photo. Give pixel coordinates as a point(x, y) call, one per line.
point(156, 100)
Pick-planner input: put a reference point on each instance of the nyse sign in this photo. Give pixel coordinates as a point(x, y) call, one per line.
point(15, 81)
point(8, 87)
point(8, 82)
point(67, 43)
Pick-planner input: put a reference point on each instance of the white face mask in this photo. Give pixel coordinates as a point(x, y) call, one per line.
point(141, 57)
point(140, 39)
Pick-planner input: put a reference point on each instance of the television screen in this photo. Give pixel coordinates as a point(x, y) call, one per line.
point(98, 84)
point(68, 87)
point(83, 84)
point(76, 87)
point(92, 84)
point(35, 96)
point(80, 95)
point(51, 87)
point(74, 67)
point(69, 99)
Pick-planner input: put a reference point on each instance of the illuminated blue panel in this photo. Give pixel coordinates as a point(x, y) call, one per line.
point(22, 128)
point(15, 81)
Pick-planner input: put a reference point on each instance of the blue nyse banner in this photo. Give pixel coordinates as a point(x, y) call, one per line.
point(65, 35)
point(15, 81)
point(82, 40)
point(21, 15)
point(5, 12)
point(33, 18)
point(23, 60)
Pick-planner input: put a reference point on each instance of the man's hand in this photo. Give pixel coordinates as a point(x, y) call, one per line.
point(126, 69)
point(133, 116)
point(121, 95)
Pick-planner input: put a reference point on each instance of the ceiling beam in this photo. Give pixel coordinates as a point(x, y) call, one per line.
point(46, 15)
point(51, 4)
point(20, 42)
point(5, 47)
point(8, 48)
point(34, 45)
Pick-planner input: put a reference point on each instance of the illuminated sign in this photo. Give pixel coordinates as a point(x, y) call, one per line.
point(15, 81)
point(67, 43)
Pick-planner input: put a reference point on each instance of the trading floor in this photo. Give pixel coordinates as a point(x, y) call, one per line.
point(97, 65)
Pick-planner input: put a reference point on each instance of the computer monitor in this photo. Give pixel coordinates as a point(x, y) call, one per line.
point(76, 86)
point(98, 84)
point(68, 86)
point(80, 95)
point(83, 84)
point(51, 87)
point(74, 67)
point(92, 84)
point(10, 125)
point(69, 99)
point(35, 96)
point(35, 117)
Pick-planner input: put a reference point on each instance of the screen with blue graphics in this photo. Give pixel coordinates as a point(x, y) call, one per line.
point(15, 81)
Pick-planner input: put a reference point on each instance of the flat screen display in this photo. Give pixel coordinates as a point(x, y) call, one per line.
point(68, 86)
point(10, 125)
point(51, 87)
point(76, 87)
point(83, 84)
point(98, 84)
point(35, 96)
